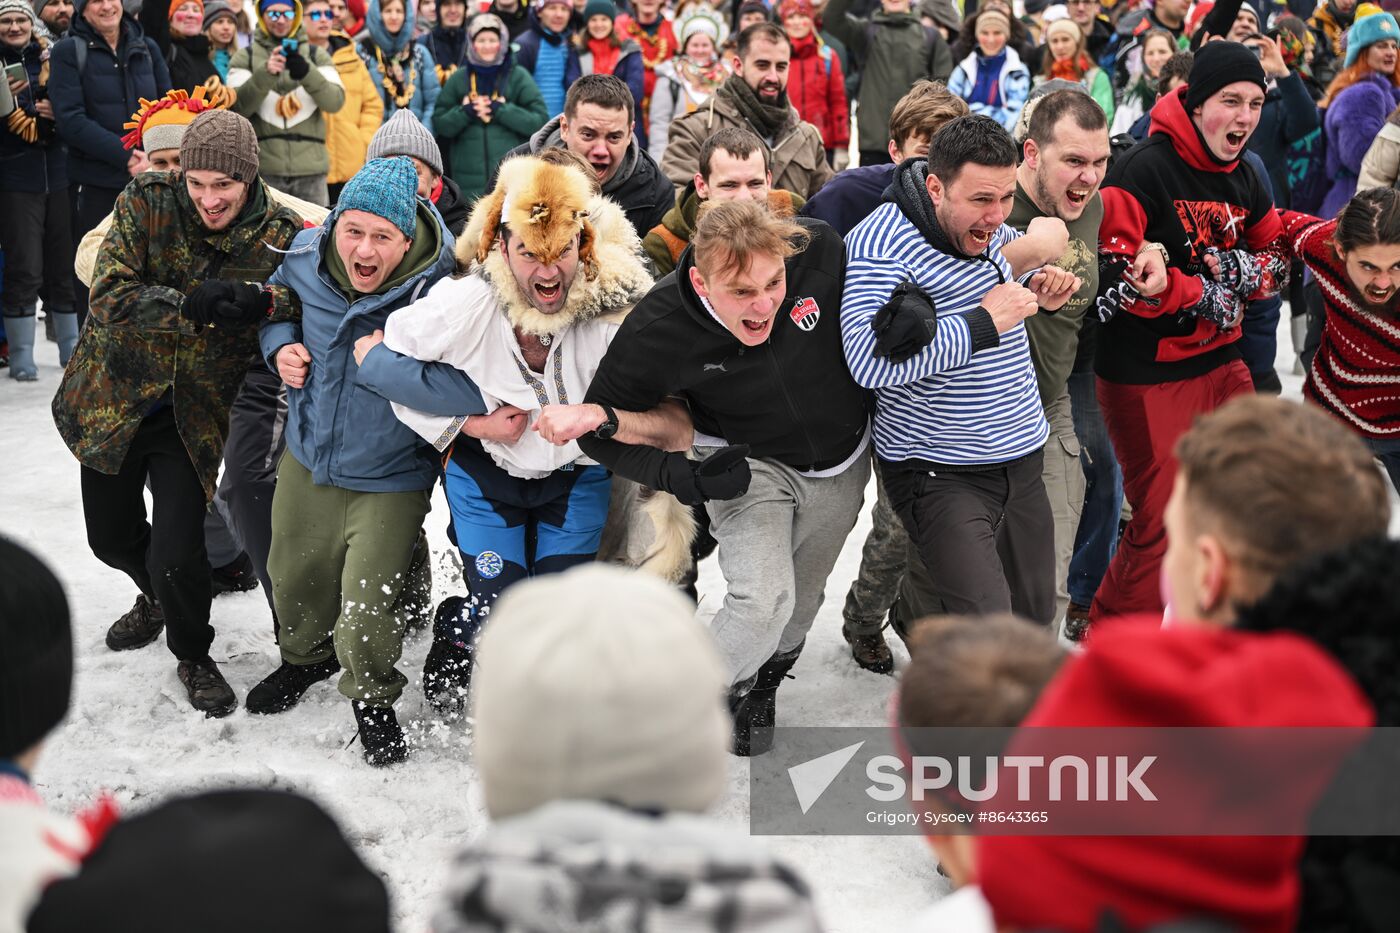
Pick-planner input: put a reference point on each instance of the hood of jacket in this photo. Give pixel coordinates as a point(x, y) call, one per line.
point(618, 278)
point(575, 864)
point(1169, 116)
point(632, 162)
point(390, 44)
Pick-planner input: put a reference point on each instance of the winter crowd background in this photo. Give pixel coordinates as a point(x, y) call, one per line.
point(1263, 519)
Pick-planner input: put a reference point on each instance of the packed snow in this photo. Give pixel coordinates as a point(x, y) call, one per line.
point(132, 733)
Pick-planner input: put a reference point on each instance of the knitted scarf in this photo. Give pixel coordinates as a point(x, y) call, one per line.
point(909, 190)
point(768, 119)
point(1073, 68)
point(702, 77)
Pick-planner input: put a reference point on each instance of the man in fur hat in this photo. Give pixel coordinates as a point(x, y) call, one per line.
point(548, 264)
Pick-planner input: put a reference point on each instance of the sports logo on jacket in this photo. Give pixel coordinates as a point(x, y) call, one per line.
point(805, 313)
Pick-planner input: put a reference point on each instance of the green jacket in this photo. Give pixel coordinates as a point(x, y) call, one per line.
point(665, 242)
point(288, 115)
point(476, 147)
point(136, 352)
point(894, 50)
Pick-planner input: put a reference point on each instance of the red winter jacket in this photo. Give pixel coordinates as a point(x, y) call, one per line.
point(817, 89)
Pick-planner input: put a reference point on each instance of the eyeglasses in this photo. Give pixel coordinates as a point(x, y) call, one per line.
point(276, 15)
point(319, 15)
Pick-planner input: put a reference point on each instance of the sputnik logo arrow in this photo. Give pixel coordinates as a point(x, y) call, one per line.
point(811, 778)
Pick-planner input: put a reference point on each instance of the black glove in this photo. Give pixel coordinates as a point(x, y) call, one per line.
point(226, 304)
point(905, 324)
point(297, 66)
point(1219, 305)
point(1114, 293)
point(724, 474)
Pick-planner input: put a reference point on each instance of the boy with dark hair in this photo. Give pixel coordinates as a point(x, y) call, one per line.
point(754, 98)
point(1164, 359)
point(598, 123)
point(734, 165)
point(931, 320)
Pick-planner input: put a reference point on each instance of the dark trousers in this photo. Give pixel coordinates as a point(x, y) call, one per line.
point(256, 439)
point(92, 204)
point(36, 235)
point(164, 557)
point(874, 157)
point(987, 537)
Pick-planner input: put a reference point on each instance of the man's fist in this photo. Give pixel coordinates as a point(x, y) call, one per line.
point(293, 365)
point(217, 303)
point(724, 474)
point(1218, 304)
point(365, 344)
point(1009, 304)
point(1053, 286)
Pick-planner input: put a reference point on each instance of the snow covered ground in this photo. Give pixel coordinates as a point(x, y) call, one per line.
point(131, 731)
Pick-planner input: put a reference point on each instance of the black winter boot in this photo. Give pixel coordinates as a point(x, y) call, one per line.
point(139, 627)
point(447, 672)
point(236, 577)
point(755, 712)
point(380, 734)
point(280, 690)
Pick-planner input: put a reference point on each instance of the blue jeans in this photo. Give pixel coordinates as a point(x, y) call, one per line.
point(1097, 538)
point(1388, 453)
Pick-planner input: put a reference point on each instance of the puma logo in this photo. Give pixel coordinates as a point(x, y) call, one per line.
point(711, 367)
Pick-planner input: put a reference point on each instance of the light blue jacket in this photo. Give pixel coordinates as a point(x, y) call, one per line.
point(1013, 86)
point(425, 80)
point(340, 425)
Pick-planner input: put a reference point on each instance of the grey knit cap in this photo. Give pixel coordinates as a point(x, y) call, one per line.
point(212, 11)
point(221, 141)
point(403, 135)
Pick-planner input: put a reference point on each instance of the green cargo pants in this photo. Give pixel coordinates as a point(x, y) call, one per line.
point(338, 563)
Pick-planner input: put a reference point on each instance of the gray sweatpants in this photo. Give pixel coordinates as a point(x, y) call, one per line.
point(1063, 476)
point(777, 545)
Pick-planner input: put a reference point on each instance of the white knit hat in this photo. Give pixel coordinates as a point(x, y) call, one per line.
point(599, 684)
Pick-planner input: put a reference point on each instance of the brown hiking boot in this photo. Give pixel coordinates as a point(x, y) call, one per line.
point(208, 691)
point(1076, 622)
point(870, 651)
point(138, 628)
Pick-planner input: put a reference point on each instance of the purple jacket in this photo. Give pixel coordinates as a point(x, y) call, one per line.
point(1351, 124)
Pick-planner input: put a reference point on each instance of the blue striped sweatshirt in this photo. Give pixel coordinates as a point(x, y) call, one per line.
point(953, 404)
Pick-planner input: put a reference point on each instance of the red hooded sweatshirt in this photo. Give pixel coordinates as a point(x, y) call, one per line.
point(1171, 190)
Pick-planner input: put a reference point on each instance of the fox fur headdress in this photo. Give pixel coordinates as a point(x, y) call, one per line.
point(546, 206)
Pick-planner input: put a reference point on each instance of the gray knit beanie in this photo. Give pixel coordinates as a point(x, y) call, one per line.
point(221, 141)
point(403, 135)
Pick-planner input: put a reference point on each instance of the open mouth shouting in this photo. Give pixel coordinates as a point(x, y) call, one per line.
point(548, 291)
point(1077, 197)
point(601, 166)
point(978, 239)
point(1235, 139)
point(1377, 296)
point(365, 274)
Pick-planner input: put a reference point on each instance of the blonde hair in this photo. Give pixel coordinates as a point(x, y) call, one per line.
point(729, 233)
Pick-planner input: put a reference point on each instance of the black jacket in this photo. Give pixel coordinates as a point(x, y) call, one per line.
point(188, 59)
point(40, 167)
point(452, 206)
point(791, 398)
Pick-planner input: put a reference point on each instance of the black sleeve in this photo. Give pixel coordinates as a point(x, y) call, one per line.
point(1218, 21)
point(629, 378)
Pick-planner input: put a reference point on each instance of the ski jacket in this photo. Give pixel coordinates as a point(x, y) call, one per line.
point(1012, 84)
point(817, 89)
point(340, 425)
point(350, 129)
point(92, 104)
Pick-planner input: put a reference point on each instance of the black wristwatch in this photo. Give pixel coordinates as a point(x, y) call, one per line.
point(606, 430)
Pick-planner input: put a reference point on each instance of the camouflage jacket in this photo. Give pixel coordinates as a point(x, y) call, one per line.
point(136, 352)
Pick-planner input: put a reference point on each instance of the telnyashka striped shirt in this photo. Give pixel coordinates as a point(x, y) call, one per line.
point(946, 405)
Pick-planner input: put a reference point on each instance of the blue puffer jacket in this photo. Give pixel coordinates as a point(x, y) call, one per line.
point(340, 425)
point(527, 53)
point(380, 44)
point(91, 107)
point(39, 167)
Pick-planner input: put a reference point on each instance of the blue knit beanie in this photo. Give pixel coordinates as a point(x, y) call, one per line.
point(387, 188)
point(1367, 31)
